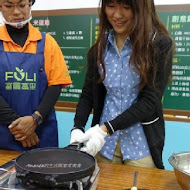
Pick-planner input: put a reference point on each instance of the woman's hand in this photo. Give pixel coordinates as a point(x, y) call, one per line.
point(93, 139)
point(76, 135)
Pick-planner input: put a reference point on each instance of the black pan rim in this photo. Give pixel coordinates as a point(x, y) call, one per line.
point(65, 176)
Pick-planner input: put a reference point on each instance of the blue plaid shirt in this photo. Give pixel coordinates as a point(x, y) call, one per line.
point(121, 82)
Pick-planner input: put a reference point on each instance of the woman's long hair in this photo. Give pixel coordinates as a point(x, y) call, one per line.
point(142, 34)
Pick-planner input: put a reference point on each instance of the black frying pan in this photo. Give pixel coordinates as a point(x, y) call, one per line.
point(53, 167)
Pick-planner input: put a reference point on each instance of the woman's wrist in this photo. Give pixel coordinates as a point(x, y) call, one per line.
point(104, 128)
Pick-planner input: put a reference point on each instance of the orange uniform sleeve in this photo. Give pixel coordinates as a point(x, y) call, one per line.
point(55, 65)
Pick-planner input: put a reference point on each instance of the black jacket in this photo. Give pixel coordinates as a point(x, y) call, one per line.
point(147, 110)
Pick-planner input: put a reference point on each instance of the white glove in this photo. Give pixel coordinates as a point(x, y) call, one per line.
point(76, 135)
point(93, 140)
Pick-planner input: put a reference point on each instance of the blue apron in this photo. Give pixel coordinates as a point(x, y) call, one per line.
point(23, 82)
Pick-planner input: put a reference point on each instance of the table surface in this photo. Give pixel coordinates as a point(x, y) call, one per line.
point(120, 177)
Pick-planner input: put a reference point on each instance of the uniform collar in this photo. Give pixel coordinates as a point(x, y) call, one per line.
point(34, 34)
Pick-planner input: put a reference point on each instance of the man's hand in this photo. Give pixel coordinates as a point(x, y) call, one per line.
point(23, 127)
point(30, 141)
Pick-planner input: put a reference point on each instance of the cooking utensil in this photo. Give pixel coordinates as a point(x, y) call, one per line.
point(54, 167)
point(135, 181)
point(138, 189)
point(181, 165)
point(134, 187)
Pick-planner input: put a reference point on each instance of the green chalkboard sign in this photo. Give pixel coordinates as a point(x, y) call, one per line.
point(76, 31)
point(75, 34)
point(177, 94)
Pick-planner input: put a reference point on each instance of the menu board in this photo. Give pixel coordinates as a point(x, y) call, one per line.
point(76, 31)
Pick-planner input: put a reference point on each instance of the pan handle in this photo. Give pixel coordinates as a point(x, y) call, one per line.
point(74, 146)
point(22, 175)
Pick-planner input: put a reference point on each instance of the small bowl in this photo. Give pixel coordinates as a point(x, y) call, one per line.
point(181, 165)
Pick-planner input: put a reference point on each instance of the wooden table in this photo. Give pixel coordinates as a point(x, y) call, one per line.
point(119, 177)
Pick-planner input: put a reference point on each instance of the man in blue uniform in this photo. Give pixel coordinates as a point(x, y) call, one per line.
point(32, 73)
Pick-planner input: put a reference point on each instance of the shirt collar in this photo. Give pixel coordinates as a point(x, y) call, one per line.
point(111, 39)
